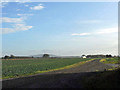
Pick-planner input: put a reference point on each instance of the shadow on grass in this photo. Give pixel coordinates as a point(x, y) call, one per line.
point(104, 79)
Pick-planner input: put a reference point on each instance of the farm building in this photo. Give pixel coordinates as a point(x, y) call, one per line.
point(83, 56)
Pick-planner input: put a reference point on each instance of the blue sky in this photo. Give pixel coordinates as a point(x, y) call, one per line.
point(61, 28)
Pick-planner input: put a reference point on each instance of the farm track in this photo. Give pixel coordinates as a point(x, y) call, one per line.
point(67, 78)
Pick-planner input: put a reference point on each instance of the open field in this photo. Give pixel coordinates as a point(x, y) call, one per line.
point(81, 76)
point(70, 73)
point(17, 68)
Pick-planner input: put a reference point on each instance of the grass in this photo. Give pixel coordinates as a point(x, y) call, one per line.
point(106, 79)
point(19, 68)
point(110, 60)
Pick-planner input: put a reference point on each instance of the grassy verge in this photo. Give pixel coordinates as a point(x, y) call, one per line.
point(110, 61)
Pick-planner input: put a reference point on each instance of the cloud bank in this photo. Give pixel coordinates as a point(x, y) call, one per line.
point(101, 31)
point(18, 25)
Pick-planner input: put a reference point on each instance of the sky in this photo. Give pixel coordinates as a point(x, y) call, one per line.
point(59, 28)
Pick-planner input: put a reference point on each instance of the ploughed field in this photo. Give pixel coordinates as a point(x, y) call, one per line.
point(18, 68)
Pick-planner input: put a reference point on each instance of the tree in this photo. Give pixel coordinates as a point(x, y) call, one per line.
point(108, 56)
point(12, 56)
point(45, 55)
point(83, 55)
point(6, 57)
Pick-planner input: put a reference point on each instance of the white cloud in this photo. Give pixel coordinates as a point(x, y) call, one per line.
point(101, 31)
point(17, 27)
point(11, 20)
point(3, 3)
point(80, 34)
point(6, 30)
point(22, 27)
point(39, 7)
point(107, 31)
point(20, 1)
point(18, 24)
point(23, 1)
point(24, 14)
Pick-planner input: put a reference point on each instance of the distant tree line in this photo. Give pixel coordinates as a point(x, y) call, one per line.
point(16, 57)
point(99, 56)
point(8, 57)
point(48, 56)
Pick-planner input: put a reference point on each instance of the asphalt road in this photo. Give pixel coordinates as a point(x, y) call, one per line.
point(67, 78)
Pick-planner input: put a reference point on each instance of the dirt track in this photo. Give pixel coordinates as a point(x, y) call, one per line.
point(68, 78)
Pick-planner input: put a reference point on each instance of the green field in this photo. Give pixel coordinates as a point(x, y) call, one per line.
point(17, 68)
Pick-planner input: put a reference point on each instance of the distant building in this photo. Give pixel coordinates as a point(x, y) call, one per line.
point(83, 56)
